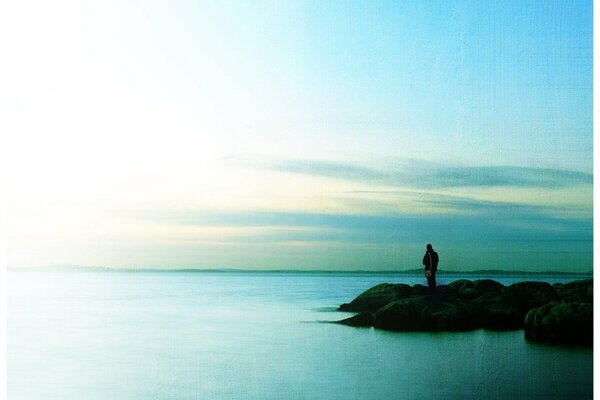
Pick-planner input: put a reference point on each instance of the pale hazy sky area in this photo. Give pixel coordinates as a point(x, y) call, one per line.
point(329, 135)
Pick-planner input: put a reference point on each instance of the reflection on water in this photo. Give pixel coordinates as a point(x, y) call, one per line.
point(185, 335)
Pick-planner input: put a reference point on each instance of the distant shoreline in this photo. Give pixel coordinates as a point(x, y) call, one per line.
point(441, 272)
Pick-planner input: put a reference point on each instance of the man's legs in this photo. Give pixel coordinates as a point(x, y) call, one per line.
point(431, 283)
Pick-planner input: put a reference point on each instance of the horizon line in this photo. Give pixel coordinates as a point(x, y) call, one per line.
point(494, 271)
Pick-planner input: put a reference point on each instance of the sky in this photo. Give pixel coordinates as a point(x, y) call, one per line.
point(318, 135)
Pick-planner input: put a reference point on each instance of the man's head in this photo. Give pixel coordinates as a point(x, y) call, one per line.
point(429, 247)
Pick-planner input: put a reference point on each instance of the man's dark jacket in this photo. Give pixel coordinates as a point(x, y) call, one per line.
point(430, 261)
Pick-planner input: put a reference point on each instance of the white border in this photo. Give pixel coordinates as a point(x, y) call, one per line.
point(596, 175)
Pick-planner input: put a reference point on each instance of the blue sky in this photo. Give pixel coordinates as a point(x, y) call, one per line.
point(300, 134)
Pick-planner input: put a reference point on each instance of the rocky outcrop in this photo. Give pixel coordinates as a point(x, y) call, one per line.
point(529, 295)
point(577, 291)
point(377, 297)
point(431, 313)
point(564, 322)
point(362, 319)
point(560, 313)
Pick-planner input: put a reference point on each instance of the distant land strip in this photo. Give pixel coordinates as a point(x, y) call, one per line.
point(296, 271)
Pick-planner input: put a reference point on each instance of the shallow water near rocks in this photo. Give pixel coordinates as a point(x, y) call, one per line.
point(233, 335)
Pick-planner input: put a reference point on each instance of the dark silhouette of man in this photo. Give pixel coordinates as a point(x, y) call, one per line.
point(430, 261)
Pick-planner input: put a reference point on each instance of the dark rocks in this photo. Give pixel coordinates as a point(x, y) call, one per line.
point(564, 322)
point(500, 316)
point(450, 316)
point(399, 315)
point(378, 296)
point(420, 290)
point(465, 289)
point(579, 291)
point(466, 305)
point(487, 286)
point(499, 310)
point(470, 290)
point(363, 319)
point(443, 292)
point(426, 313)
point(529, 295)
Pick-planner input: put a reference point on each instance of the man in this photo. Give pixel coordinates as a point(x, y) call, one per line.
point(430, 260)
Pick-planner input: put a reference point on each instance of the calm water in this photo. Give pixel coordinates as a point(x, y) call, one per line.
point(186, 335)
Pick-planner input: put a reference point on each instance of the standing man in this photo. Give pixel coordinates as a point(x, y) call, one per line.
point(430, 261)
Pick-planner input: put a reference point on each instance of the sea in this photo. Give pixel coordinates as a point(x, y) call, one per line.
point(109, 334)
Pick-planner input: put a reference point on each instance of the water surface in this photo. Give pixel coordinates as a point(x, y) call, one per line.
point(190, 335)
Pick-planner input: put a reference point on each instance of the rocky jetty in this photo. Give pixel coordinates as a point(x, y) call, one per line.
point(559, 313)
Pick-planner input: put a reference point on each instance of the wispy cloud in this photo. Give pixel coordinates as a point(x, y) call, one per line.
point(489, 221)
point(415, 173)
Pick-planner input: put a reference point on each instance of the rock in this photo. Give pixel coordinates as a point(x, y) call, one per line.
point(450, 316)
point(465, 289)
point(469, 290)
point(581, 291)
point(529, 295)
point(400, 315)
point(561, 313)
point(378, 296)
point(487, 286)
point(445, 292)
point(500, 316)
point(364, 319)
point(461, 284)
point(420, 290)
point(426, 313)
point(503, 296)
point(564, 322)
point(499, 310)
